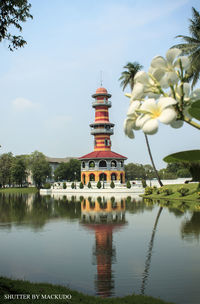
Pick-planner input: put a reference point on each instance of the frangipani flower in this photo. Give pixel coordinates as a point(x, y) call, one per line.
point(169, 65)
point(153, 111)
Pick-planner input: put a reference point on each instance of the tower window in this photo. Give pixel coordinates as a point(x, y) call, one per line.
point(83, 164)
point(91, 164)
point(103, 163)
point(113, 163)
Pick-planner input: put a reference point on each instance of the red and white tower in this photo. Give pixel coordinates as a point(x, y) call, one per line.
point(102, 163)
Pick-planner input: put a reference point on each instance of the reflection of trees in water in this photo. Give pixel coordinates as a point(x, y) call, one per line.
point(139, 206)
point(149, 254)
point(176, 212)
point(13, 208)
point(190, 229)
point(35, 210)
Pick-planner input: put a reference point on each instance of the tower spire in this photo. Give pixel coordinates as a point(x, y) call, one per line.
point(101, 78)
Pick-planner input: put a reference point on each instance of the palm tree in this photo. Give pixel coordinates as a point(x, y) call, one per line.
point(191, 46)
point(127, 78)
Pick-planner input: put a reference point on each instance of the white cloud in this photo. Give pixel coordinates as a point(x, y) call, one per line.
point(21, 104)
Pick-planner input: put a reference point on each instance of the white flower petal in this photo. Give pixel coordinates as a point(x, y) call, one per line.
point(165, 102)
point(176, 124)
point(172, 77)
point(158, 73)
point(172, 54)
point(128, 127)
point(164, 82)
point(138, 91)
point(185, 62)
point(158, 62)
point(150, 126)
point(149, 105)
point(141, 77)
point(186, 89)
point(151, 70)
point(152, 95)
point(141, 120)
point(133, 106)
point(167, 116)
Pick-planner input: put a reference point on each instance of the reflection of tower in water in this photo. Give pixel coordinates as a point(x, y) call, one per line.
point(103, 217)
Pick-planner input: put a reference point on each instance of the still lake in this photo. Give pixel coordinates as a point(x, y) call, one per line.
point(102, 246)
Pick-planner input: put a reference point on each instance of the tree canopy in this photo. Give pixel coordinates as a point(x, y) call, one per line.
point(68, 171)
point(12, 14)
point(191, 46)
point(40, 168)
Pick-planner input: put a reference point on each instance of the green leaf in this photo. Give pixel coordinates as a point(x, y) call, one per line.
point(183, 156)
point(194, 110)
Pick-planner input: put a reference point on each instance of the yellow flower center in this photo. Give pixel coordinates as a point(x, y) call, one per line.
point(156, 113)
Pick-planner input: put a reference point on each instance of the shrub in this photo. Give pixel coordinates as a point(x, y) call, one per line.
point(148, 190)
point(183, 191)
point(128, 185)
point(81, 186)
point(198, 195)
point(112, 185)
point(89, 185)
point(144, 184)
point(64, 186)
point(167, 191)
point(72, 185)
point(99, 185)
point(47, 186)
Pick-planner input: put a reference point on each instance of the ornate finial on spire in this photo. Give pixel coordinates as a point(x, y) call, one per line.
point(101, 78)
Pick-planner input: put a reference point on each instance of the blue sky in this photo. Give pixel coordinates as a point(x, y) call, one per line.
point(46, 87)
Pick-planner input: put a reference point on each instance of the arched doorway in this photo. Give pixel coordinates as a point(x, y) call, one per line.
point(121, 178)
point(113, 176)
point(103, 177)
point(84, 179)
point(92, 177)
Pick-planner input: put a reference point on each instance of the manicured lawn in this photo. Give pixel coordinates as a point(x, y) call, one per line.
point(19, 190)
point(192, 195)
point(8, 286)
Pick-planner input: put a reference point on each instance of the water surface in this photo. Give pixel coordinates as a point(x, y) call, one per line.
point(102, 246)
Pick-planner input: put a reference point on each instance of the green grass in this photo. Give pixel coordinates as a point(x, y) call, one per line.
point(19, 190)
point(8, 286)
point(192, 195)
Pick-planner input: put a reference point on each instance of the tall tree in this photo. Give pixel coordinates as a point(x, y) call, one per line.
point(191, 46)
point(18, 170)
point(6, 161)
point(12, 14)
point(40, 168)
point(127, 78)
